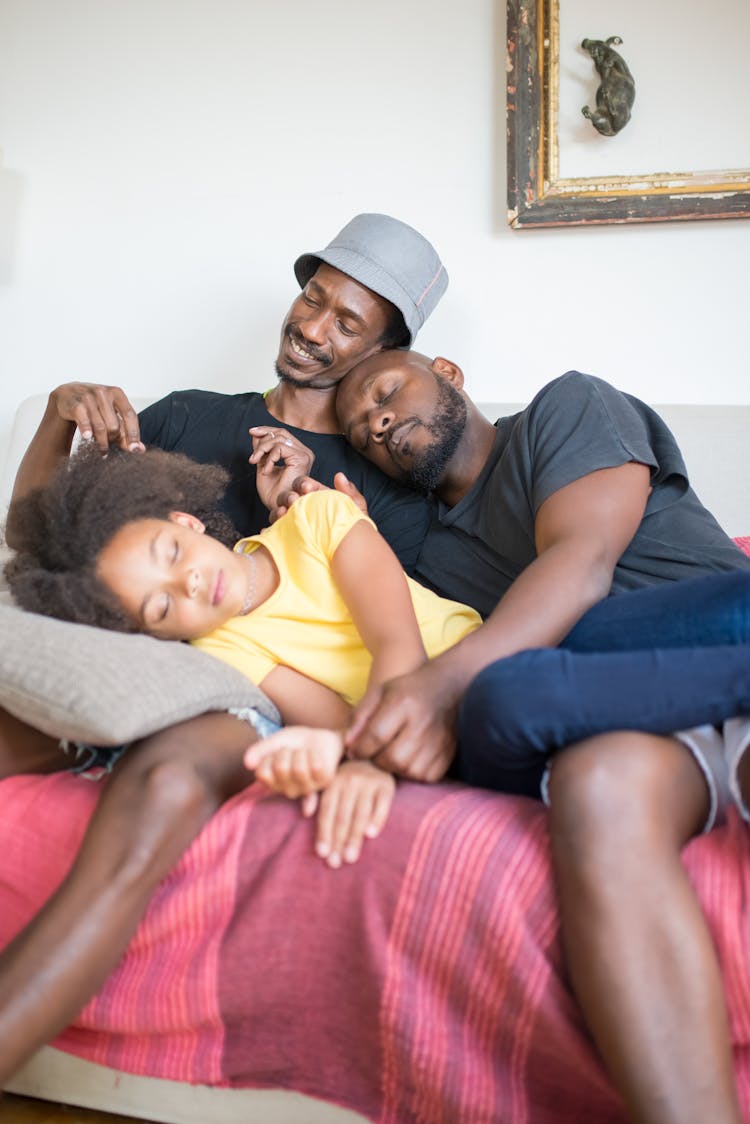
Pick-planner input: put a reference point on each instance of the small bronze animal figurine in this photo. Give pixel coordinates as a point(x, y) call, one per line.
point(616, 94)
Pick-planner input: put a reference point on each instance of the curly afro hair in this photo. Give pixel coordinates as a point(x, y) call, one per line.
point(60, 530)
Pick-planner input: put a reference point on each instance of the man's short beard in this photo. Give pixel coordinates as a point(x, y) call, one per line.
point(317, 382)
point(447, 428)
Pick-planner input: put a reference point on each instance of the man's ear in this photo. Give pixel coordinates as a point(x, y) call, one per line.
point(449, 370)
point(187, 520)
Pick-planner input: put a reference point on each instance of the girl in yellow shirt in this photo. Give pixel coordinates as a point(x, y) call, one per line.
point(315, 610)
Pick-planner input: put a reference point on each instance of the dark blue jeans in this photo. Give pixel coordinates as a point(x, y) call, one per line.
point(660, 659)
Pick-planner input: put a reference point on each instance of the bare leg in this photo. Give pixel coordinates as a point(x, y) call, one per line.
point(638, 949)
point(160, 795)
point(25, 750)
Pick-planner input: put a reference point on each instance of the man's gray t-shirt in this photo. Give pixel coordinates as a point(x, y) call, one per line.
point(575, 425)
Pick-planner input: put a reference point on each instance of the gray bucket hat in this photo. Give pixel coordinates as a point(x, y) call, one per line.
point(389, 257)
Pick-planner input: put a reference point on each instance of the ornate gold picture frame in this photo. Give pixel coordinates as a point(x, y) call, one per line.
point(538, 196)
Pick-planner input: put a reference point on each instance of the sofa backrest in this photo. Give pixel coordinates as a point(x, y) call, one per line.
point(712, 439)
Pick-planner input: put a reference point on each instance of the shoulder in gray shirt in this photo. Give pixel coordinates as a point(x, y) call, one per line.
point(575, 425)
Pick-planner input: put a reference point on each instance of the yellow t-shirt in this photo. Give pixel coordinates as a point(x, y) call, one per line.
point(305, 623)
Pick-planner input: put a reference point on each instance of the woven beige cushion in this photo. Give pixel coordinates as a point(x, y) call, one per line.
point(106, 688)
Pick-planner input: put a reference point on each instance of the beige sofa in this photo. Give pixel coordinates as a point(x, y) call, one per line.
point(713, 440)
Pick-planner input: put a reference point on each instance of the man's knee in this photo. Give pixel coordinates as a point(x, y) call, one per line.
point(165, 804)
point(625, 789)
point(175, 789)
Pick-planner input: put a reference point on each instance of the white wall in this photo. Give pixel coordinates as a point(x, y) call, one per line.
point(164, 161)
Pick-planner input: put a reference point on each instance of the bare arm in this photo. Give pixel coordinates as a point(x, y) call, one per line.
point(300, 700)
point(371, 581)
point(373, 584)
point(102, 413)
point(580, 531)
point(300, 760)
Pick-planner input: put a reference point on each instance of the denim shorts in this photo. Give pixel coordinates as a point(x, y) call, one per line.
point(94, 762)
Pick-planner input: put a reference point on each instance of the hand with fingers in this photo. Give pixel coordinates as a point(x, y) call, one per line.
point(305, 484)
point(280, 460)
point(354, 807)
point(297, 760)
point(102, 414)
point(407, 725)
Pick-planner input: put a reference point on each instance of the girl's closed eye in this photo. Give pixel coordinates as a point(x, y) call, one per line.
point(155, 611)
point(164, 609)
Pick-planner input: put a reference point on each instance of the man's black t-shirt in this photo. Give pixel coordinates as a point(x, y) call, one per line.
point(213, 428)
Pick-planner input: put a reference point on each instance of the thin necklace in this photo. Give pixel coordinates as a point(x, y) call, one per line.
point(247, 604)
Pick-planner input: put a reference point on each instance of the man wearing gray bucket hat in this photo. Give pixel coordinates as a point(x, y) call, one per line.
point(390, 258)
point(371, 287)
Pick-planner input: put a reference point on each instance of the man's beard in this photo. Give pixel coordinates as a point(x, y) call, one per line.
point(447, 428)
point(317, 382)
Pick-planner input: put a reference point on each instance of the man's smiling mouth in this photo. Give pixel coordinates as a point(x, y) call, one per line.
point(304, 352)
point(298, 349)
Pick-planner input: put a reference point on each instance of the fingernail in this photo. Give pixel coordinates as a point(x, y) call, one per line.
point(322, 849)
point(86, 435)
point(136, 447)
point(351, 854)
point(371, 831)
point(334, 861)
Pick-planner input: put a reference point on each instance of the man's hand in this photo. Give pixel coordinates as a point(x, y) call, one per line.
point(102, 413)
point(353, 808)
point(281, 460)
point(297, 760)
point(407, 725)
point(303, 485)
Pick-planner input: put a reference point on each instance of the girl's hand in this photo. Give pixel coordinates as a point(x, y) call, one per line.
point(303, 485)
point(354, 807)
point(297, 760)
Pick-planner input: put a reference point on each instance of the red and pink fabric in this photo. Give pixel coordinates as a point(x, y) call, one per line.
point(423, 984)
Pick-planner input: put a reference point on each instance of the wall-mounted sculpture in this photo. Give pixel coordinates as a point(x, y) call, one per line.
point(616, 94)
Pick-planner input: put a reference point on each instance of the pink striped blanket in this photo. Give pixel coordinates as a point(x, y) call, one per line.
point(423, 984)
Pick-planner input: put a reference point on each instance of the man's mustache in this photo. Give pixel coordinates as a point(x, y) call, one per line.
point(312, 350)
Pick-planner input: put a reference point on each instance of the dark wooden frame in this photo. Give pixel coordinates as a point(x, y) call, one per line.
point(538, 197)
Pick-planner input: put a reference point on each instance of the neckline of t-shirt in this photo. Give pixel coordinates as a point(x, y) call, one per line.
point(448, 515)
point(295, 429)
